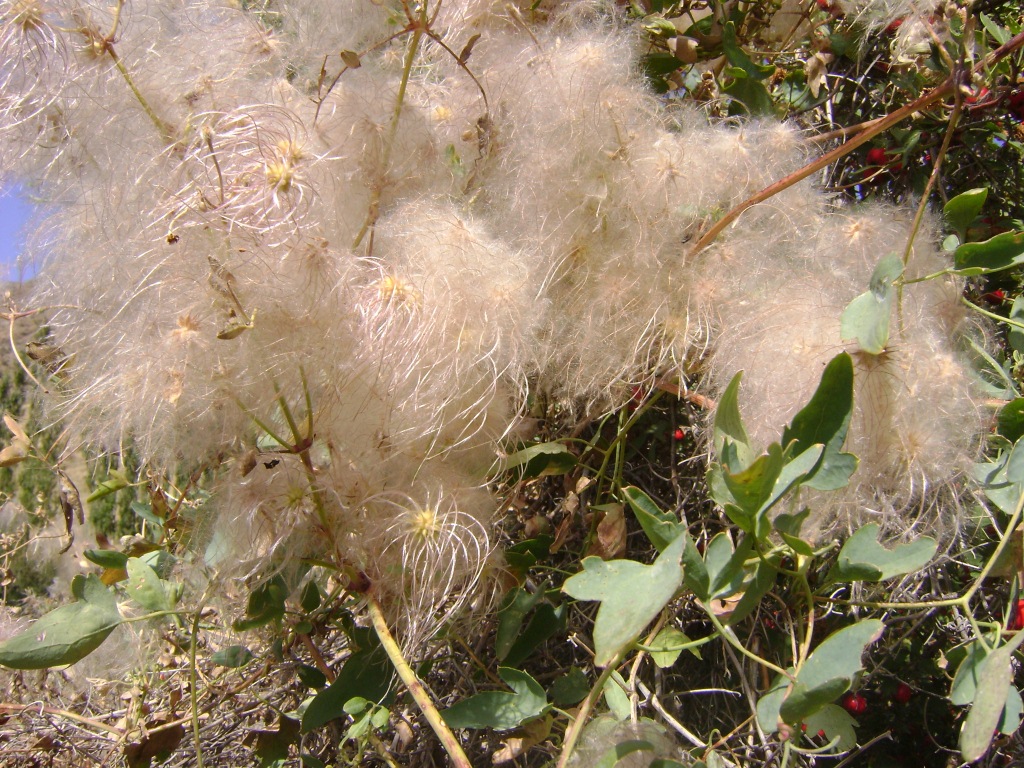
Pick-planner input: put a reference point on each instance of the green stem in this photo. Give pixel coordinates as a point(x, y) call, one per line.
point(106, 43)
point(165, 128)
point(805, 646)
point(964, 600)
point(992, 315)
point(389, 140)
point(415, 687)
point(622, 432)
point(668, 649)
point(572, 733)
point(307, 462)
point(728, 636)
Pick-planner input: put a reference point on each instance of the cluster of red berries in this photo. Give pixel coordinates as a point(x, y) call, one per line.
point(856, 704)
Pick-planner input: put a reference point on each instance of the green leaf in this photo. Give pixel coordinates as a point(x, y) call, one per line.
point(311, 677)
point(570, 689)
point(497, 709)
point(994, 676)
point(863, 558)
point(752, 487)
point(725, 565)
point(866, 318)
point(793, 474)
point(1015, 464)
point(310, 598)
point(829, 670)
point(145, 511)
point(666, 647)
point(115, 482)
point(367, 673)
point(616, 584)
point(740, 58)
point(540, 460)
point(107, 558)
point(769, 704)
point(965, 683)
point(234, 656)
point(754, 588)
point(148, 589)
point(516, 605)
point(1012, 712)
point(991, 476)
point(1010, 422)
point(662, 528)
point(964, 208)
point(965, 686)
point(789, 527)
point(1015, 334)
point(266, 604)
point(271, 747)
point(66, 634)
point(748, 95)
point(613, 756)
point(616, 698)
point(525, 554)
point(547, 620)
point(1004, 251)
point(836, 722)
point(999, 34)
point(825, 421)
point(729, 429)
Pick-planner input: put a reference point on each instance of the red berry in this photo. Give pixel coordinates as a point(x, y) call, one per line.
point(995, 297)
point(679, 434)
point(883, 157)
point(979, 95)
point(1016, 103)
point(854, 703)
point(903, 693)
point(894, 25)
point(876, 156)
point(1016, 621)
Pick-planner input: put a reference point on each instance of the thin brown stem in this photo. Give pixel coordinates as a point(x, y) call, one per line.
point(954, 118)
point(318, 658)
point(883, 124)
point(17, 709)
